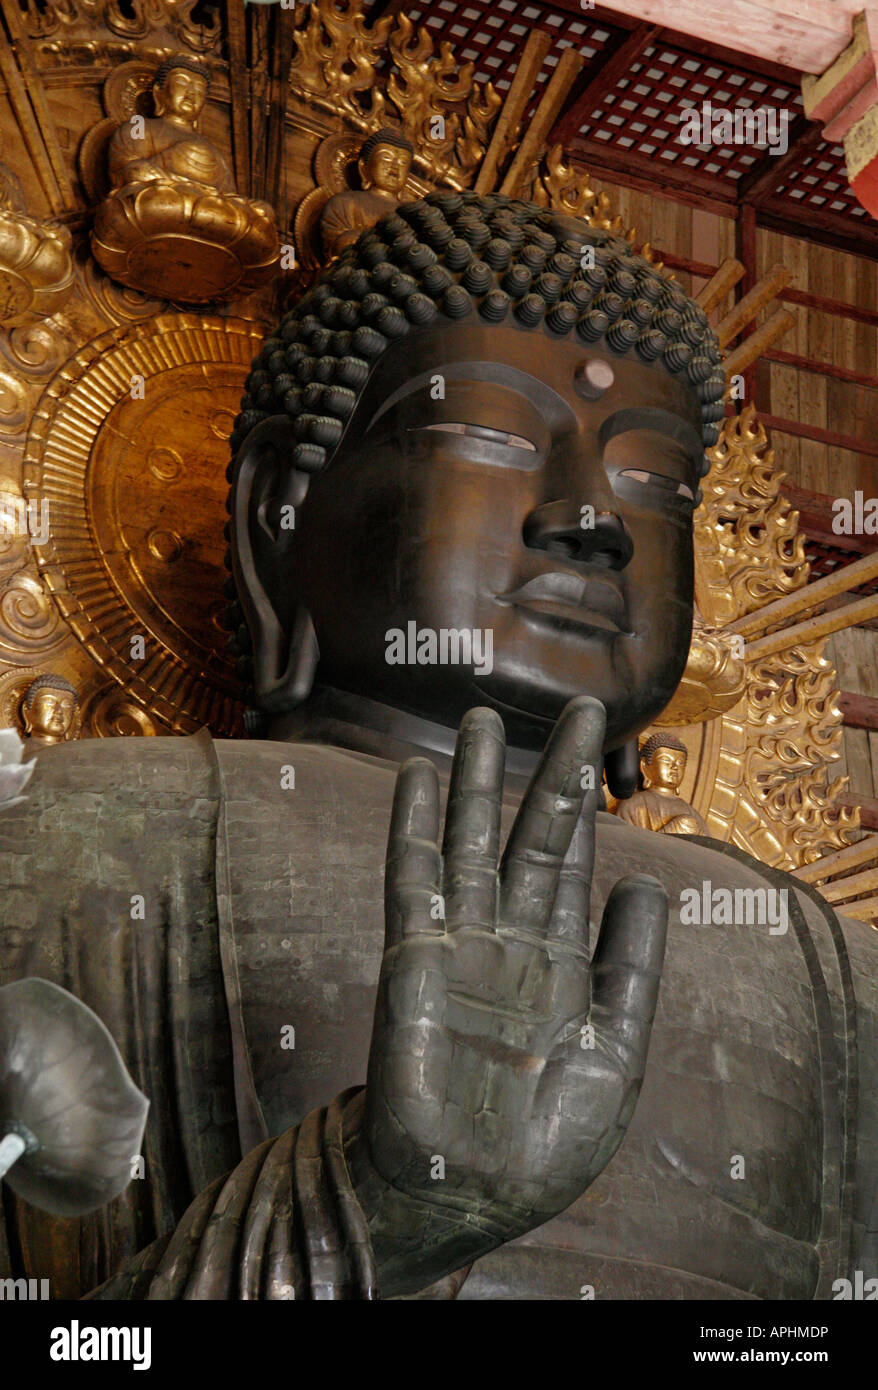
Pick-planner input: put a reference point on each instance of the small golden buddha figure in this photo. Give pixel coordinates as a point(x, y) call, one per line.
point(384, 164)
point(657, 806)
point(49, 709)
point(173, 224)
point(168, 145)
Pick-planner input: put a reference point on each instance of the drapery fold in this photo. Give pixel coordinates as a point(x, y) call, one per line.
point(284, 1224)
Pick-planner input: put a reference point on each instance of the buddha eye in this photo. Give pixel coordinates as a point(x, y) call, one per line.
point(512, 441)
point(659, 480)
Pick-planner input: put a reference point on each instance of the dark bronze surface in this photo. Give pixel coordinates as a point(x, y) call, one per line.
point(490, 1116)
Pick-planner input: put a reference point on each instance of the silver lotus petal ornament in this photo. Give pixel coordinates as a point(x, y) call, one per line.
point(71, 1118)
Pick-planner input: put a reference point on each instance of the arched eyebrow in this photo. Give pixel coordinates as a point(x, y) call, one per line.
point(666, 422)
point(554, 410)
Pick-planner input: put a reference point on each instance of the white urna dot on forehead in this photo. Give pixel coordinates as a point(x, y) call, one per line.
point(594, 378)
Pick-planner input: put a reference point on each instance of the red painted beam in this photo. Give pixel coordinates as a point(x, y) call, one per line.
point(821, 436)
point(831, 306)
point(809, 364)
point(858, 711)
point(840, 233)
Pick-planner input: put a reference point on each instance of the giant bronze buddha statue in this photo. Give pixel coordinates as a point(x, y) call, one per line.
point(421, 439)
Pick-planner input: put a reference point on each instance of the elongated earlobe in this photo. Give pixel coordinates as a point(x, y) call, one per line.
point(622, 767)
point(268, 485)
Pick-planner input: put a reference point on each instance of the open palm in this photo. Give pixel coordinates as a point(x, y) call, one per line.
point(505, 1065)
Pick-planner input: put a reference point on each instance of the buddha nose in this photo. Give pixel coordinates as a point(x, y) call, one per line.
point(602, 541)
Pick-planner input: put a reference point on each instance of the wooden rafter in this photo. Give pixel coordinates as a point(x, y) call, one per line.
point(654, 176)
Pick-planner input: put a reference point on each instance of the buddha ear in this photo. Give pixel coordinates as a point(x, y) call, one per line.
point(268, 489)
point(363, 171)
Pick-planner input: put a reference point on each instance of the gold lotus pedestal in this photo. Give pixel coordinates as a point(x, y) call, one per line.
point(182, 241)
point(36, 269)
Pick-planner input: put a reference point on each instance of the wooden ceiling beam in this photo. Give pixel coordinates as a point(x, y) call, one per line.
point(839, 232)
point(806, 35)
point(654, 176)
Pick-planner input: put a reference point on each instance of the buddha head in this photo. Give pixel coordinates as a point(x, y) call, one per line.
point(180, 89)
point(663, 762)
point(384, 162)
point(488, 421)
point(49, 708)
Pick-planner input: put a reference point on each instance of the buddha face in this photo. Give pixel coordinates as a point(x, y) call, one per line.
point(181, 96)
point(535, 494)
point(50, 714)
point(386, 169)
point(665, 768)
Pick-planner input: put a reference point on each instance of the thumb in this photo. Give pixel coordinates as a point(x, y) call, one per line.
point(626, 969)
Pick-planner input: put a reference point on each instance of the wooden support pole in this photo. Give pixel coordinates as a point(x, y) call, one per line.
point(544, 118)
point(753, 346)
point(813, 628)
point(865, 911)
point(722, 283)
point(747, 308)
point(809, 596)
point(845, 888)
point(861, 853)
point(506, 125)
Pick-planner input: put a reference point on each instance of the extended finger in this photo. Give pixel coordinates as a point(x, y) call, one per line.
point(411, 880)
point(541, 835)
point(626, 969)
point(569, 920)
point(471, 845)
